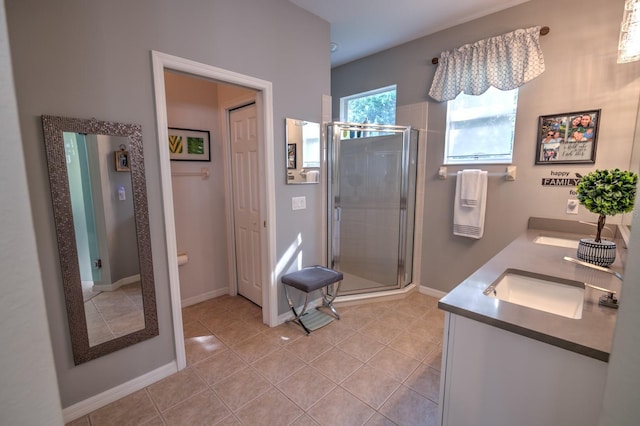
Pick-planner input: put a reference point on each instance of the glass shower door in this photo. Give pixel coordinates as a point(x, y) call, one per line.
point(369, 201)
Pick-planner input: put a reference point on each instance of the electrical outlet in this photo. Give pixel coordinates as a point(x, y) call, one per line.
point(572, 206)
point(298, 203)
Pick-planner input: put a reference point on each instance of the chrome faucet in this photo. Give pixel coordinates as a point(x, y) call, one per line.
point(596, 267)
point(609, 299)
point(595, 225)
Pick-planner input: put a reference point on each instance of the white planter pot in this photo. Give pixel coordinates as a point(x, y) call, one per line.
point(601, 254)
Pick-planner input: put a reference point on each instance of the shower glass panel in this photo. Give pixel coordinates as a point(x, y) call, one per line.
point(372, 204)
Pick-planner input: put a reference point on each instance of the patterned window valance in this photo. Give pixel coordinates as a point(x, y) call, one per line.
point(504, 62)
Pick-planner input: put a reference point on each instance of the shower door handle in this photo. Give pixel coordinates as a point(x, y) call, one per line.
point(335, 261)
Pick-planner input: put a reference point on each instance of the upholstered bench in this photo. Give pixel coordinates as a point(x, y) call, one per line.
point(307, 280)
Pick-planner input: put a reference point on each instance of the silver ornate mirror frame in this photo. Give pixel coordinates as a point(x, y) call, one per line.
point(53, 128)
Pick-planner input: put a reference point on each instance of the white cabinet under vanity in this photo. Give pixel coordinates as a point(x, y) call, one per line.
point(538, 359)
point(495, 377)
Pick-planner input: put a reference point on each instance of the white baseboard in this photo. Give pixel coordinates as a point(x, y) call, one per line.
point(282, 318)
point(114, 286)
point(204, 296)
point(370, 297)
point(428, 291)
point(91, 404)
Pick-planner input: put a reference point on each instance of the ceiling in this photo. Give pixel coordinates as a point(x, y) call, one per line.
point(364, 27)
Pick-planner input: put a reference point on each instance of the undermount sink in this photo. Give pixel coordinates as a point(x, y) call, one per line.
point(555, 241)
point(537, 291)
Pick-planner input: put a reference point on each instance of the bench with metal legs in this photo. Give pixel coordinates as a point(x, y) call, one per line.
point(308, 280)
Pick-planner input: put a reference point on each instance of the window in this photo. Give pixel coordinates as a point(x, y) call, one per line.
point(375, 106)
point(310, 144)
point(481, 129)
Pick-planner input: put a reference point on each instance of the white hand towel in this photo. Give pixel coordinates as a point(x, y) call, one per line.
point(468, 221)
point(470, 187)
point(313, 176)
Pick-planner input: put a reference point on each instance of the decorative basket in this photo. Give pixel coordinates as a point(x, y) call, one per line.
point(601, 254)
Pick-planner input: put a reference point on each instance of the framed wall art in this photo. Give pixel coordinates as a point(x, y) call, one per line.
point(189, 145)
point(122, 160)
point(568, 138)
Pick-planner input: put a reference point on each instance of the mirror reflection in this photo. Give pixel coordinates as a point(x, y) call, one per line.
point(303, 151)
point(98, 190)
point(103, 219)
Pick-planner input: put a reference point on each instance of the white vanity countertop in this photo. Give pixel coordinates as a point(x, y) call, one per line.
point(591, 335)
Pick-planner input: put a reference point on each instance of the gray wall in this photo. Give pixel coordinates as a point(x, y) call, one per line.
point(119, 214)
point(88, 59)
point(581, 74)
point(29, 394)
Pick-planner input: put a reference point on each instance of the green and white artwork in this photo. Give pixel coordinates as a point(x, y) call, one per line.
point(196, 148)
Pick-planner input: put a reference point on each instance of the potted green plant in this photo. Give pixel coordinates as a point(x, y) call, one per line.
point(605, 193)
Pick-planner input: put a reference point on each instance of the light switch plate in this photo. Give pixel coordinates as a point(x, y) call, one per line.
point(572, 206)
point(298, 203)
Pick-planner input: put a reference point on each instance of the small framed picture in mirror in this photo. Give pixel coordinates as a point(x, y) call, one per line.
point(122, 161)
point(291, 156)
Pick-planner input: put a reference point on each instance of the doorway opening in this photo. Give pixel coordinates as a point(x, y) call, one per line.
point(265, 185)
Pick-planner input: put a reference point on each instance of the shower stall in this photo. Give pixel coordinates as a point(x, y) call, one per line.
point(371, 217)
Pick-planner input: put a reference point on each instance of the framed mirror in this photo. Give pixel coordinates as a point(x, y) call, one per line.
point(303, 151)
point(98, 190)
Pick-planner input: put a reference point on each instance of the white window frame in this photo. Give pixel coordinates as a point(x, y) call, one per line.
point(480, 158)
point(311, 147)
point(344, 101)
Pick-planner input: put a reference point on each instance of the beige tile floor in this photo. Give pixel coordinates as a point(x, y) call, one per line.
point(378, 365)
point(111, 314)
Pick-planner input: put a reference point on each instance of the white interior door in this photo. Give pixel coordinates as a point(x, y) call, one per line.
point(243, 125)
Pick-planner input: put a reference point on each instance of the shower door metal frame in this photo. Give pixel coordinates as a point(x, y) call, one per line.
point(334, 130)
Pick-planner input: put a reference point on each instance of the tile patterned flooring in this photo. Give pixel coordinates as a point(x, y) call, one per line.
point(378, 365)
point(111, 314)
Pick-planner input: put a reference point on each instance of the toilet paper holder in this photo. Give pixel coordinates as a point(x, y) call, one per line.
point(183, 258)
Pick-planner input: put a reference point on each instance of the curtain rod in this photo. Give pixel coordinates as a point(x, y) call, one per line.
point(543, 32)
